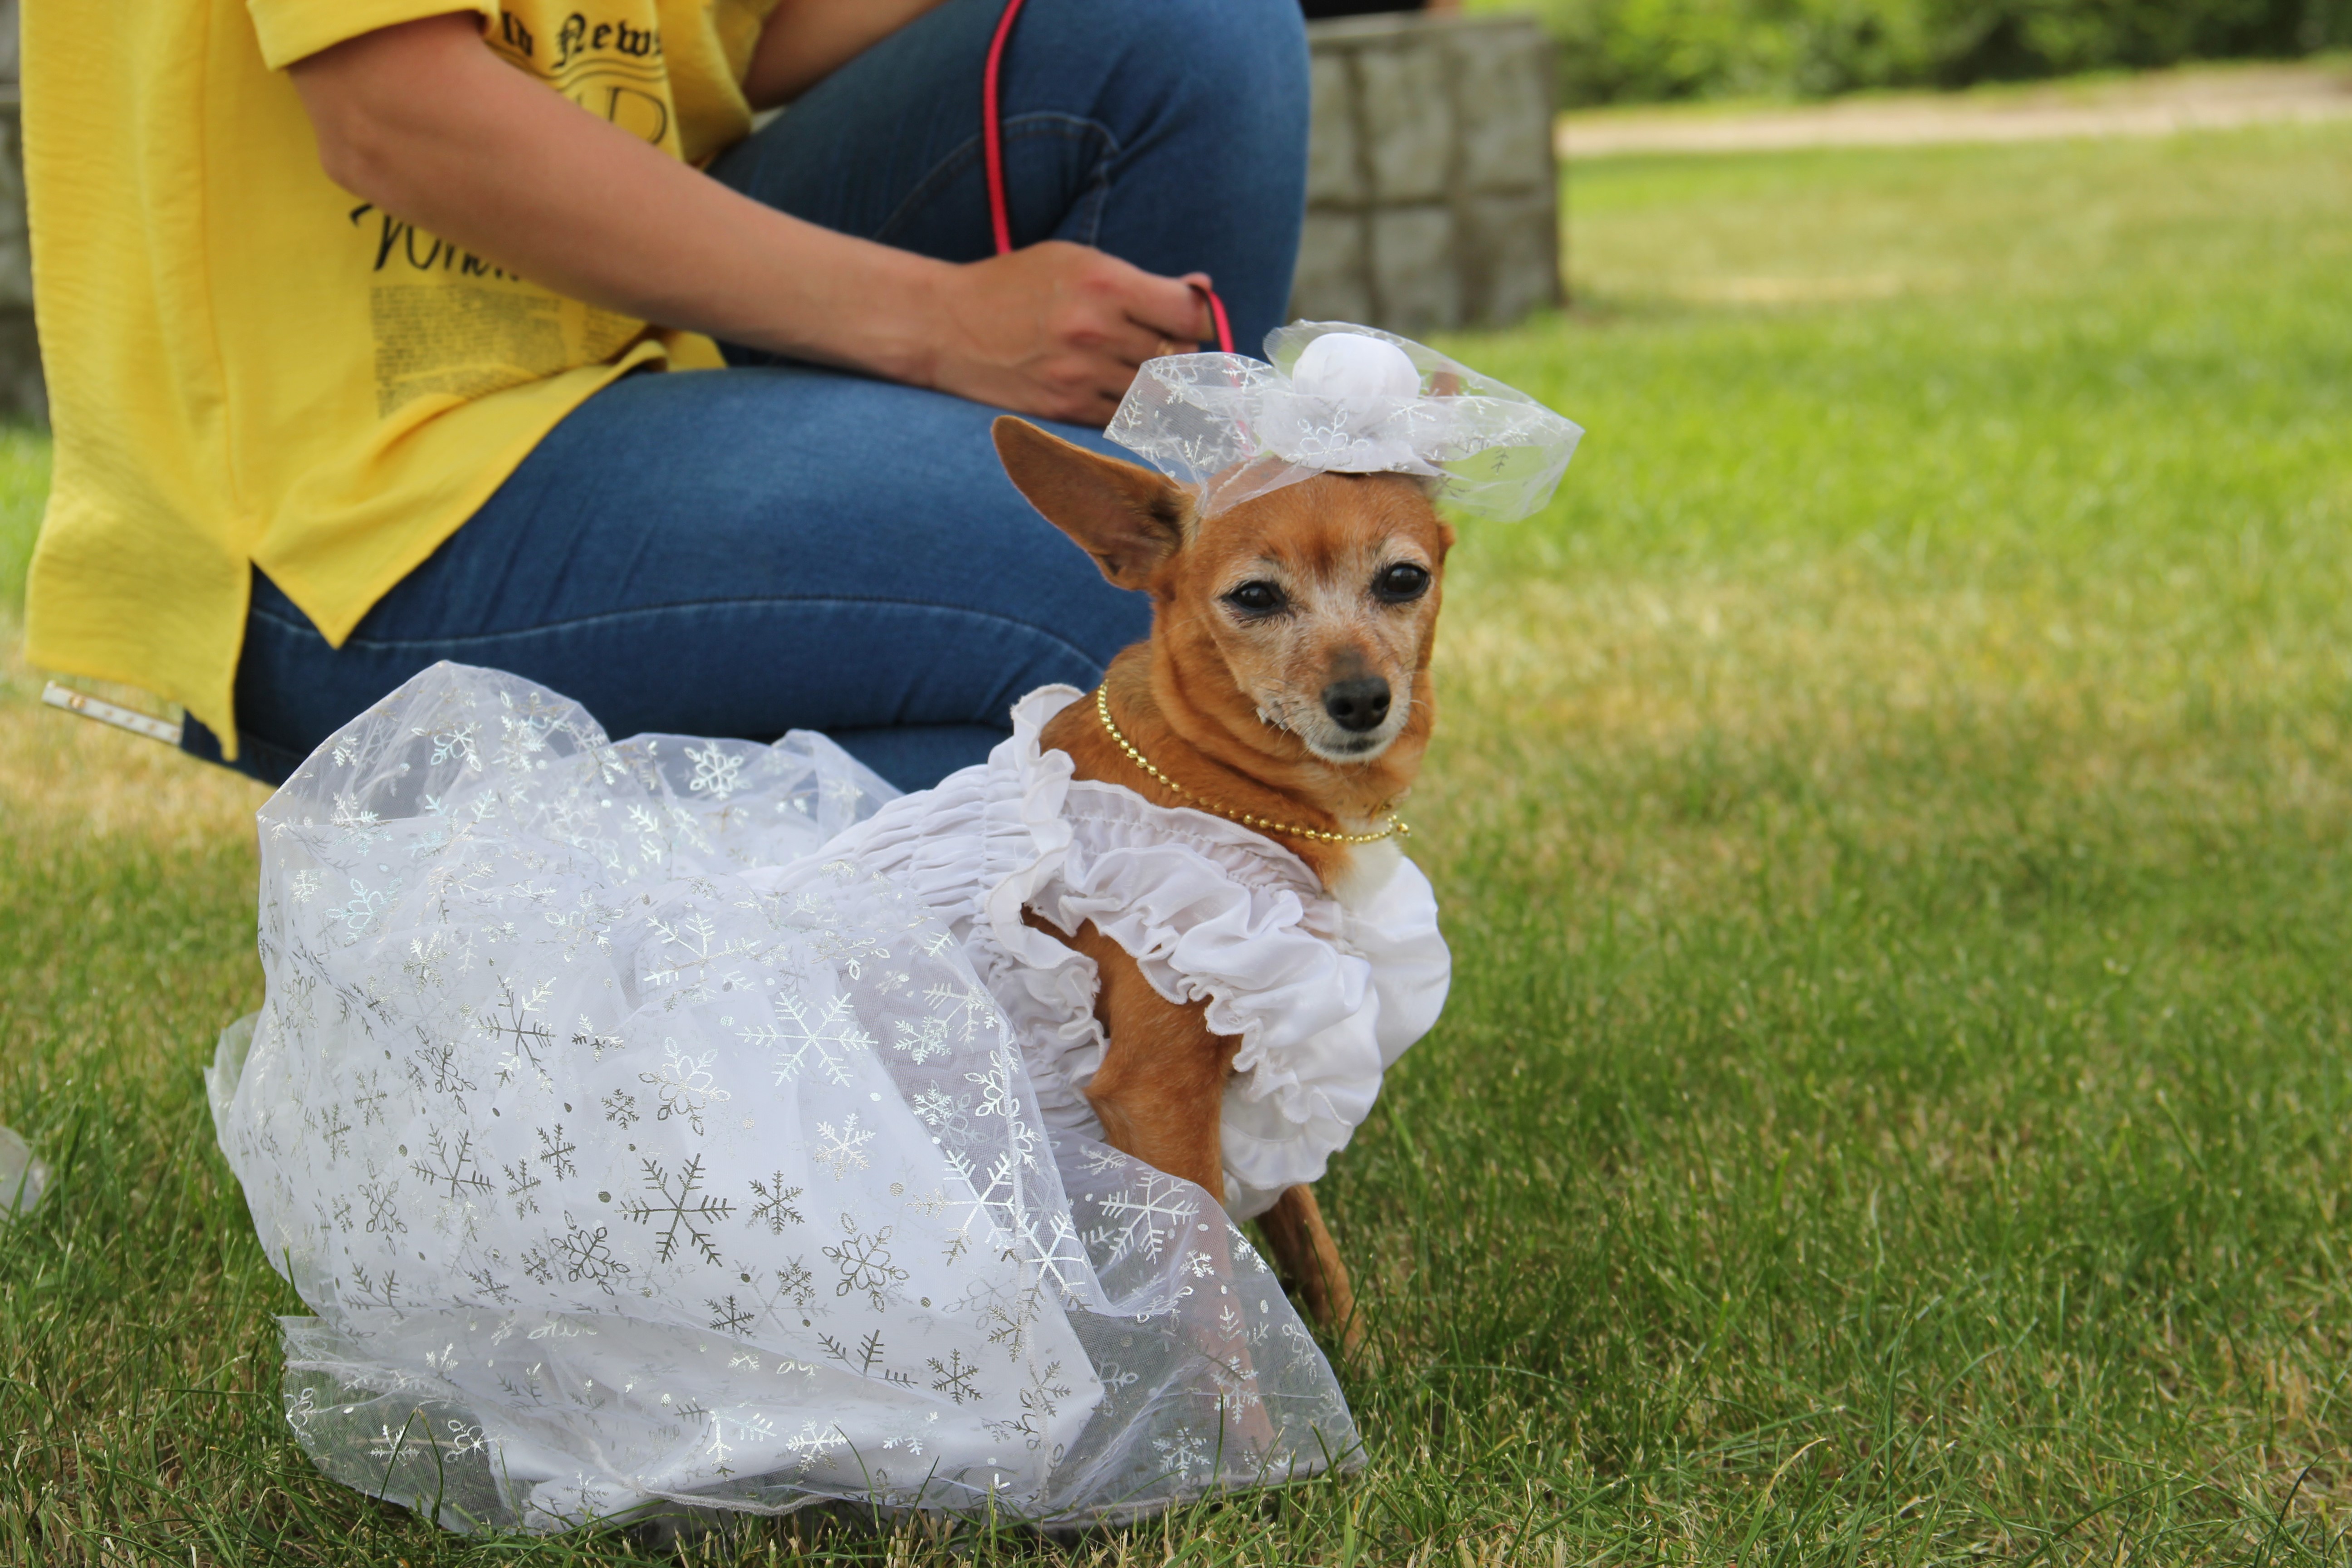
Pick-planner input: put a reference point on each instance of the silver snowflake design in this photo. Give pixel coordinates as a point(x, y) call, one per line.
point(578, 1255)
point(813, 1442)
point(730, 1315)
point(966, 1012)
point(454, 1168)
point(922, 1039)
point(752, 1428)
point(844, 1149)
point(996, 1098)
point(523, 1187)
point(555, 1150)
point(955, 1376)
point(1187, 1454)
point(686, 1084)
point(949, 1114)
point(1146, 1218)
point(511, 1022)
point(797, 1284)
point(717, 771)
point(693, 959)
point(455, 742)
point(774, 1208)
point(830, 1035)
point(679, 1213)
point(864, 1264)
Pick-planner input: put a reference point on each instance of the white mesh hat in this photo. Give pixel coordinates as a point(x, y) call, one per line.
point(1342, 399)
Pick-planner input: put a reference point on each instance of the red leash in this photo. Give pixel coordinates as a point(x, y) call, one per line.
point(992, 130)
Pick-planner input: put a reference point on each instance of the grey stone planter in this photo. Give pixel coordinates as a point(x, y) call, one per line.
point(1432, 197)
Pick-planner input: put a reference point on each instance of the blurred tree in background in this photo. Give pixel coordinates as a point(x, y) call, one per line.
point(1634, 50)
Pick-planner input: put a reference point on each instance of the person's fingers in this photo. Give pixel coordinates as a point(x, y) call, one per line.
point(1199, 284)
point(1129, 342)
point(1162, 349)
point(1168, 305)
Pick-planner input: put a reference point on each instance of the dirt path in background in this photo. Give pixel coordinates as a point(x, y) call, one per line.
point(2160, 103)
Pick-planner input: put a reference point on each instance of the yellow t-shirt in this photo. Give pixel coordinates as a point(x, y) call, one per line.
point(250, 366)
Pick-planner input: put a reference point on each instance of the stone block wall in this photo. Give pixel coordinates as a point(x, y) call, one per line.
point(1432, 197)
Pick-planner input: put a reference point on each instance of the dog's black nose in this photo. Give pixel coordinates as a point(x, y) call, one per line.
point(1360, 704)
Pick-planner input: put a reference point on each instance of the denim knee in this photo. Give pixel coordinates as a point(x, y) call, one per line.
point(1242, 63)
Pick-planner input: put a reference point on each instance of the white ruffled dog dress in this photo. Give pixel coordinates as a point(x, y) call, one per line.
point(696, 1121)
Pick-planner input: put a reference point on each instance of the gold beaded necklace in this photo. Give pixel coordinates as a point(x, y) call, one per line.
point(1102, 709)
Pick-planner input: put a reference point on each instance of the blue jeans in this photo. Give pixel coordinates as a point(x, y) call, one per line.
point(776, 546)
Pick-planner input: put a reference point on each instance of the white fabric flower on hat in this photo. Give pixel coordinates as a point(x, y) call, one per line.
point(1342, 399)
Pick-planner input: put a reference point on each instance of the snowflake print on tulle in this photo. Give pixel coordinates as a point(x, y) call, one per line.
point(717, 771)
point(996, 1097)
point(730, 1317)
point(523, 1187)
point(922, 1039)
point(865, 1361)
point(955, 1375)
point(686, 1085)
point(829, 1034)
point(437, 1066)
point(774, 1208)
point(967, 1012)
point(332, 1129)
point(1042, 1400)
point(357, 917)
point(813, 1442)
point(556, 1151)
point(383, 1207)
point(844, 1147)
point(679, 1211)
point(798, 1283)
point(949, 1114)
point(742, 1429)
point(376, 1291)
point(864, 1264)
point(578, 1255)
point(597, 1044)
point(456, 742)
point(695, 961)
point(1186, 1454)
point(526, 1039)
point(359, 825)
point(1146, 1217)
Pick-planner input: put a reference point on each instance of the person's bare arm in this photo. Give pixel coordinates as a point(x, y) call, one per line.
point(806, 41)
point(426, 122)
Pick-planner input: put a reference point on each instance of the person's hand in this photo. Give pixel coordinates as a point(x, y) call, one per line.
point(1058, 330)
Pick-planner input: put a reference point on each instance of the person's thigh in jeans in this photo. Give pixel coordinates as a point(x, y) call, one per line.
point(731, 552)
point(746, 552)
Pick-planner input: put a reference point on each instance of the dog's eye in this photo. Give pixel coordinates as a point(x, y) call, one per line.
point(1401, 582)
point(1255, 598)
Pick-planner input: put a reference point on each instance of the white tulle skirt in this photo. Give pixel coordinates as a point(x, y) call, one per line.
point(615, 1179)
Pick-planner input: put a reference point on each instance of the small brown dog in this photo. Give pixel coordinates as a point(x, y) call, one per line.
point(1286, 685)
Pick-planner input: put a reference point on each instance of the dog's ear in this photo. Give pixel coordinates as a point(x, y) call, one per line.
point(1128, 519)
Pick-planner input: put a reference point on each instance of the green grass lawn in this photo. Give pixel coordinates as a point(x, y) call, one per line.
point(1892, 816)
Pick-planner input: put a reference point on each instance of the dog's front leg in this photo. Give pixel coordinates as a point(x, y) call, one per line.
point(1161, 1089)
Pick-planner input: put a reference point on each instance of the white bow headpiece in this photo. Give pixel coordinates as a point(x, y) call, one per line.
point(1342, 399)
